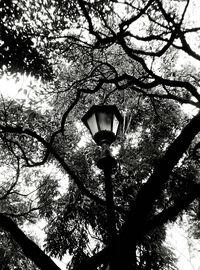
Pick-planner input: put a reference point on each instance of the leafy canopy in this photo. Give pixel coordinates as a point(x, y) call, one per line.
point(126, 53)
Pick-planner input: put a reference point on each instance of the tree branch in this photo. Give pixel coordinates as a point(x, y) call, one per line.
point(30, 249)
point(137, 218)
point(66, 167)
point(87, 16)
point(160, 219)
point(172, 212)
point(134, 18)
point(159, 80)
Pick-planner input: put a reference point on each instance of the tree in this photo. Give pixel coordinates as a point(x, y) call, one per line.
point(19, 51)
point(124, 53)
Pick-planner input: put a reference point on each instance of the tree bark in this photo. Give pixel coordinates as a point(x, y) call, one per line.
point(29, 248)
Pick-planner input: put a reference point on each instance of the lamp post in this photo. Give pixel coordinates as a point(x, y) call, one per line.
point(103, 123)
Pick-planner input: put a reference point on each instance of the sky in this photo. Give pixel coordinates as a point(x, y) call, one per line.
point(185, 247)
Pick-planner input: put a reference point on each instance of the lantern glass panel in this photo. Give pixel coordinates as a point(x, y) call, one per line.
point(105, 121)
point(115, 125)
point(92, 123)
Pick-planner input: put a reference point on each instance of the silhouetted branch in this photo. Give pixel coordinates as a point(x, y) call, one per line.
point(30, 249)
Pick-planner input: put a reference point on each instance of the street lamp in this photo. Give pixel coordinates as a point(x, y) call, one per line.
point(103, 123)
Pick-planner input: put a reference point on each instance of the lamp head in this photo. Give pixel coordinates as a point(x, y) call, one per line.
point(103, 122)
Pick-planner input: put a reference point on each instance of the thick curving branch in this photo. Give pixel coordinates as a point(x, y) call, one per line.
point(30, 249)
point(89, 20)
point(173, 211)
